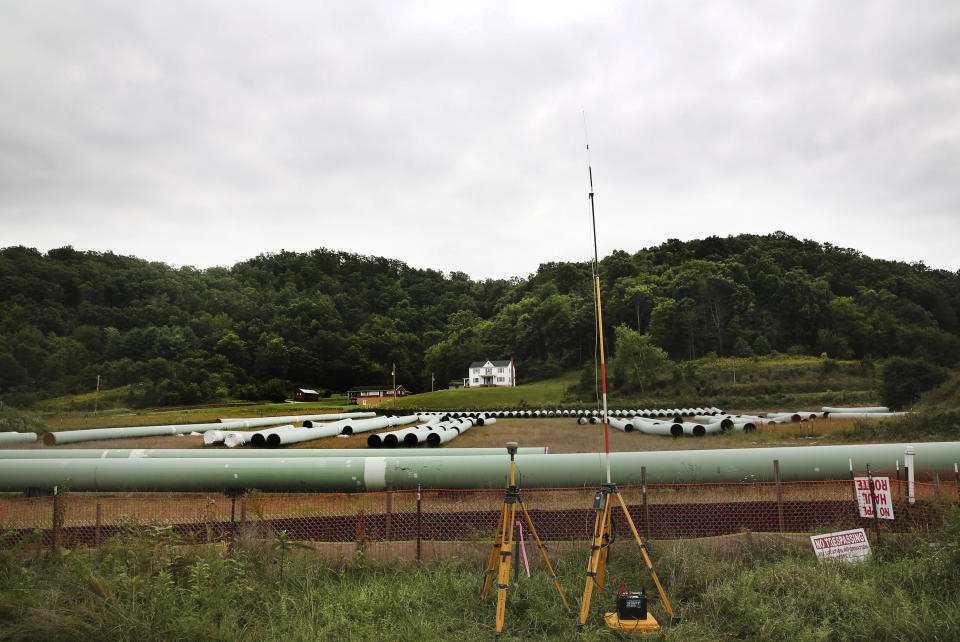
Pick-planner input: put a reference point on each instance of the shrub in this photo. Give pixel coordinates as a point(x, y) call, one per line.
point(902, 380)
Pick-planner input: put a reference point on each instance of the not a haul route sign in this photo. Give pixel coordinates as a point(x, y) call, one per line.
point(881, 494)
point(848, 546)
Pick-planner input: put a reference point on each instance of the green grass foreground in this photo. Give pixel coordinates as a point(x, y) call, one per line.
point(270, 590)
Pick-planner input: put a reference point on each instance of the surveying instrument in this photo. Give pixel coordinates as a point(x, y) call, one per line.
point(502, 552)
point(603, 500)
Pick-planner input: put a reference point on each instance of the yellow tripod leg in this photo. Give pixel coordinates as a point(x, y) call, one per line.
point(503, 577)
point(543, 552)
point(600, 524)
point(646, 558)
point(605, 548)
point(494, 561)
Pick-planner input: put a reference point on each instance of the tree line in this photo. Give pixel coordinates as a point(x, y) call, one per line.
point(331, 320)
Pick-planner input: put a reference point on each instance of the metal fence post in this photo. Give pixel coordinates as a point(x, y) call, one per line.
point(899, 487)
point(776, 476)
point(418, 523)
point(873, 504)
point(646, 507)
point(908, 467)
point(96, 530)
point(389, 517)
point(57, 520)
point(956, 477)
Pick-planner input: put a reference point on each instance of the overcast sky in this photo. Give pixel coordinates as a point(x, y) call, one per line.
point(450, 135)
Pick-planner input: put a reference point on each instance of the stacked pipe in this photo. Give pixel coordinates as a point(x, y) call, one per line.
point(874, 412)
point(452, 431)
point(405, 436)
point(730, 422)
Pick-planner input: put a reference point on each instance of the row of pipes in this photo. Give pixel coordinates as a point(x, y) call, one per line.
point(125, 432)
point(312, 428)
point(704, 424)
point(514, 414)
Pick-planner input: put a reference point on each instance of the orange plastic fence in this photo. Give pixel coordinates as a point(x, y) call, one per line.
point(429, 524)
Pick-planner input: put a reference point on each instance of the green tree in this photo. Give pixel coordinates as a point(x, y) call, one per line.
point(637, 361)
point(761, 346)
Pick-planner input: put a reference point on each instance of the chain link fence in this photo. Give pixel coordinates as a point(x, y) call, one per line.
point(429, 525)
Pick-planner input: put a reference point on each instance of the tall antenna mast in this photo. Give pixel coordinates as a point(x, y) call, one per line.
point(596, 283)
point(603, 499)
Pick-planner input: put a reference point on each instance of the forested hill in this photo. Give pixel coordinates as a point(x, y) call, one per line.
point(332, 320)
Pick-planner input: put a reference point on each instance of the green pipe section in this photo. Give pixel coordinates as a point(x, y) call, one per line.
point(319, 431)
point(223, 453)
point(123, 432)
point(259, 422)
point(13, 437)
point(374, 473)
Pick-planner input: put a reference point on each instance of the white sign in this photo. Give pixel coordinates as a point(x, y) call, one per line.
point(881, 494)
point(849, 546)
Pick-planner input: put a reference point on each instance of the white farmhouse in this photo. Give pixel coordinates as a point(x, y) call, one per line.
point(491, 373)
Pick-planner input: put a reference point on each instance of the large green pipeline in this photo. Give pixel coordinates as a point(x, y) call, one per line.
point(467, 472)
point(223, 453)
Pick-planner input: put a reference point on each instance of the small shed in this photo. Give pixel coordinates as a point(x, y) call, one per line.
point(305, 394)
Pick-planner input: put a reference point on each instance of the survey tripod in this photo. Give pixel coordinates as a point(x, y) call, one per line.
point(502, 552)
point(600, 549)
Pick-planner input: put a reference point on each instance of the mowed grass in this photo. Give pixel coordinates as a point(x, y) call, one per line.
point(542, 394)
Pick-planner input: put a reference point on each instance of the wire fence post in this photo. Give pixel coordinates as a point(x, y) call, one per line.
point(57, 520)
point(956, 477)
point(388, 518)
point(646, 508)
point(776, 476)
point(418, 524)
point(96, 528)
point(873, 504)
point(899, 487)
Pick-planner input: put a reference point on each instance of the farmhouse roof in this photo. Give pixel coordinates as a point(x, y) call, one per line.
point(307, 391)
point(496, 364)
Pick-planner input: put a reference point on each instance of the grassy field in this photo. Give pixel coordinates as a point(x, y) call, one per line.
point(737, 588)
point(548, 393)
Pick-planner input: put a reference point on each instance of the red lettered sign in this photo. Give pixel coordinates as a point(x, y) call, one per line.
point(850, 546)
point(881, 495)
